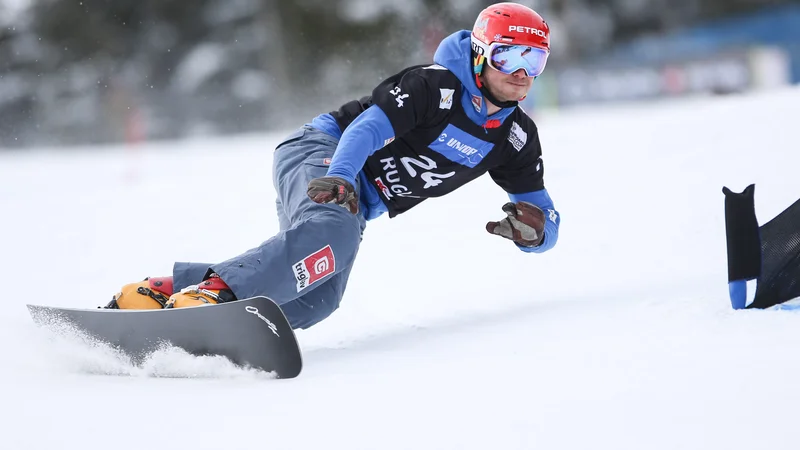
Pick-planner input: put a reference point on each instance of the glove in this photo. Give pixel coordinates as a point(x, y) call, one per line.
point(524, 224)
point(333, 190)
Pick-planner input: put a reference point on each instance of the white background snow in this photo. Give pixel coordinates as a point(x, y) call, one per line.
point(622, 337)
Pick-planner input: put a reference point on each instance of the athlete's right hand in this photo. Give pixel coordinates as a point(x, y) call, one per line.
point(333, 190)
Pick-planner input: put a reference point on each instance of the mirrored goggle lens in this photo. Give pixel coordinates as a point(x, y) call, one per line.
point(510, 58)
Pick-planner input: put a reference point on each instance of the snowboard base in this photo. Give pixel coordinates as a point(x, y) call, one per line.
point(252, 332)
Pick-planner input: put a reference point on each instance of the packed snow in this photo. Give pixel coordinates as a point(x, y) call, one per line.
point(621, 337)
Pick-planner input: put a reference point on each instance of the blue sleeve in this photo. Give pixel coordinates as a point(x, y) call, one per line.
point(369, 132)
point(552, 221)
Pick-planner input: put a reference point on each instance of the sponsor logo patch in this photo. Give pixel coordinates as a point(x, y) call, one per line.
point(388, 141)
point(527, 30)
point(446, 101)
point(461, 147)
point(382, 187)
point(314, 267)
point(326, 161)
point(477, 102)
point(480, 28)
point(518, 137)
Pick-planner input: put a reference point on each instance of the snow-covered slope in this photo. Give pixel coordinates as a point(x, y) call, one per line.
point(622, 337)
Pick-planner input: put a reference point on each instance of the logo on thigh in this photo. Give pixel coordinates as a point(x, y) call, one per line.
point(314, 267)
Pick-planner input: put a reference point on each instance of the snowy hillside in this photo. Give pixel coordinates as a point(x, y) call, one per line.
point(622, 337)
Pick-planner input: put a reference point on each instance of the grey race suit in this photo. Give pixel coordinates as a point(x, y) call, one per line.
point(275, 268)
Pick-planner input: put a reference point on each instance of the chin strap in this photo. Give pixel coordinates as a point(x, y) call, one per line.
point(491, 97)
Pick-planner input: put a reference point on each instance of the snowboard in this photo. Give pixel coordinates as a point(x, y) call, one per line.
point(252, 332)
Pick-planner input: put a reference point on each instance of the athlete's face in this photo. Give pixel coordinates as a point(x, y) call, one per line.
point(507, 87)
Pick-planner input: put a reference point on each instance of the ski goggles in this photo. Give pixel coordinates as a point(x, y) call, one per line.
point(510, 58)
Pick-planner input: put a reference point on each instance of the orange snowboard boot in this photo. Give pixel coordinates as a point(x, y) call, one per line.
point(209, 292)
point(151, 293)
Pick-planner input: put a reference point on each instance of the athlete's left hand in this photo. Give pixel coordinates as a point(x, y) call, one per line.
point(333, 190)
point(524, 224)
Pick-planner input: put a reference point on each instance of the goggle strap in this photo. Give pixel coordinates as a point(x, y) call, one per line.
point(477, 66)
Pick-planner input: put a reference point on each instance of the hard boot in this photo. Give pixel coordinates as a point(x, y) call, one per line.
point(151, 293)
point(209, 292)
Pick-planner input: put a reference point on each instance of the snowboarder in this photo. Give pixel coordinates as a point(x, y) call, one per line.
point(423, 133)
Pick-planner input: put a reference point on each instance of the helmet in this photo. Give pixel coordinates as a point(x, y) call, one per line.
point(510, 36)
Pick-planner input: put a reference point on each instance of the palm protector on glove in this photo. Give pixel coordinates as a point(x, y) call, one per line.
point(333, 190)
point(524, 224)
